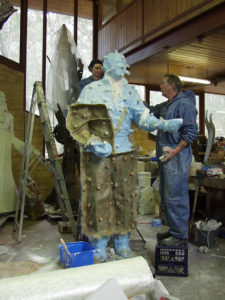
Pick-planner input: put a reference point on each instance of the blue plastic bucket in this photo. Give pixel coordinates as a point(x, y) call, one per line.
point(81, 254)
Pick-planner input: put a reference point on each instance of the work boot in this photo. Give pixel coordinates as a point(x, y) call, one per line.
point(100, 246)
point(173, 241)
point(160, 236)
point(121, 245)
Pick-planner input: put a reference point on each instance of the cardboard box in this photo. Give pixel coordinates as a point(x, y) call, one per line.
point(217, 155)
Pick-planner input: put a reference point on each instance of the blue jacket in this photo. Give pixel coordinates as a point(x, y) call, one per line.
point(182, 106)
point(84, 82)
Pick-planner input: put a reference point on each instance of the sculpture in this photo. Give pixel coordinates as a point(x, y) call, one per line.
point(8, 192)
point(101, 122)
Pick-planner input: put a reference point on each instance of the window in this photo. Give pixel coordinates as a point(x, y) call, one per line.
point(34, 52)
point(197, 107)
point(10, 37)
point(84, 43)
point(215, 104)
point(156, 97)
point(141, 90)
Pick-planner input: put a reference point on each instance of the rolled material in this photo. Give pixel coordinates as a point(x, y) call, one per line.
point(133, 275)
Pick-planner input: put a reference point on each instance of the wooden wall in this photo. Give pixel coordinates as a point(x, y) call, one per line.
point(122, 30)
point(144, 20)
point(142, 141)
point(12, 84)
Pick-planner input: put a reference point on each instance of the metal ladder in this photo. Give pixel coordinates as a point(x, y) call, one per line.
point(53, 164)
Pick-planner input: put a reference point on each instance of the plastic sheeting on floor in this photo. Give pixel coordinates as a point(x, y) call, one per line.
point(133, 275)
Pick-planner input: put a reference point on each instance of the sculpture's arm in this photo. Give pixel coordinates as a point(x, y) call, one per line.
point(19, 146)
point(147, 121)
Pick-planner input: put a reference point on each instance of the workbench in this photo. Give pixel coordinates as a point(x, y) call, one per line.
point(212, 186)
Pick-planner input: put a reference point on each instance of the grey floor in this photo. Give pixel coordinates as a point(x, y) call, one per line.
point(38, 251)
point(206, 279)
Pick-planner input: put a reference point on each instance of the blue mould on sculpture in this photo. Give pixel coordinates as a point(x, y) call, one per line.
point(121, 98)
point(108, 173)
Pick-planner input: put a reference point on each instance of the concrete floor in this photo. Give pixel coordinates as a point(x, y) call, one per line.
point(206, 270)
point(38, 252)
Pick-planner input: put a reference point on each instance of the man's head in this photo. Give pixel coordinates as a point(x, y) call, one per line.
point(95, 68)
point(115, 65)
point(170, 86)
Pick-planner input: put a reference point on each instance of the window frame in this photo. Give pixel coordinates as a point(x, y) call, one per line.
point(203, 108)
point(21, 65)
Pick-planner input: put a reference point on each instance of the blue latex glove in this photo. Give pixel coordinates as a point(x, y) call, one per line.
point(100, 149)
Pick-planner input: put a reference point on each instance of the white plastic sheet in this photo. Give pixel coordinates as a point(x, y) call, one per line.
point(133, 275)
point(208, 225)
point(63, 78)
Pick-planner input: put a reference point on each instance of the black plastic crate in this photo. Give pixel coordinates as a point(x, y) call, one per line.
point(171, 261)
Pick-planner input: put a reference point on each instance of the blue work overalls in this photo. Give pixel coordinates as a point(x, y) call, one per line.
point(174, 173)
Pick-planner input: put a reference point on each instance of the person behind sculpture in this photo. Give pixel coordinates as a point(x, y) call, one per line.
point(95, 67)
point(175, 152)
point(105, 109)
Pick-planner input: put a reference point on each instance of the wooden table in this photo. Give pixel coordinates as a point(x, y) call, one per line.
point(212, 186)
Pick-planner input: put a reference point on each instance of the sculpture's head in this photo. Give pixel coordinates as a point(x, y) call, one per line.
point(115, 65)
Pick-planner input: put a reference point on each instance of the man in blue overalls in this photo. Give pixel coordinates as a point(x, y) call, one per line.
point(175, 155)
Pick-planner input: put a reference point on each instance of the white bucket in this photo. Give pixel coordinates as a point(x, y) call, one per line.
point(146, 203)
point(140, 166)
point(144, 179)
point(194, 167)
